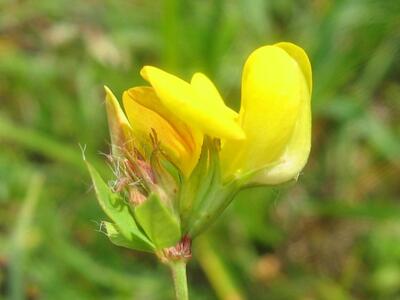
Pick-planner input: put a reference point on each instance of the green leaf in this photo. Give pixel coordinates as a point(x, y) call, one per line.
point(117, 238)
point(160, 224)
point(119, 212)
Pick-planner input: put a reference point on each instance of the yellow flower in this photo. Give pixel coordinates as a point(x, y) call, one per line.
point(267, 142)
point(180, 154)
point(275, 114)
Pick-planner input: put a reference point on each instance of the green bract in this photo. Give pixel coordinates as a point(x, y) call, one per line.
point(160, 222)
point(124, 231)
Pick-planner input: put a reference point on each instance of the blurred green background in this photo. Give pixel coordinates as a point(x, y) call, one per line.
point(333, 235)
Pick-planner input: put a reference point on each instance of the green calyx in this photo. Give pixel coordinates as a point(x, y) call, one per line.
point(204, 195)
point(158, 222)
point(172, 212)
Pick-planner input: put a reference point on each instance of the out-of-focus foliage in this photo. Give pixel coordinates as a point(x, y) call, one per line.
point(333, 235)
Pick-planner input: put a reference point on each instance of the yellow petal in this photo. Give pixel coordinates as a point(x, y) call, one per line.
point(275, 92)
point(296, 153)
point(298, 149)
point(300, 56)
point(120, 129)
point(147, 114)
point(197, 104)
point(203, 85)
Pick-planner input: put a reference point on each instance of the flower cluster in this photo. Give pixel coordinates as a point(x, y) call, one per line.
point(180, 154)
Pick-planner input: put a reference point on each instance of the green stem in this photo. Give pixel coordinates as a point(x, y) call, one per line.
point(178, 269)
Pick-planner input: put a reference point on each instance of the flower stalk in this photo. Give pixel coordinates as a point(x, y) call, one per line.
point(178, 269)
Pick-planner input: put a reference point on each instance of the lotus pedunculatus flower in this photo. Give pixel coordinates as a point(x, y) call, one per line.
point(180, 154)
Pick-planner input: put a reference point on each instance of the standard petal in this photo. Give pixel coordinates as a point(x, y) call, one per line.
point(296, 153)
point(200, 108)
point(273, 86)
point(298, 149)
point(147, 114)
